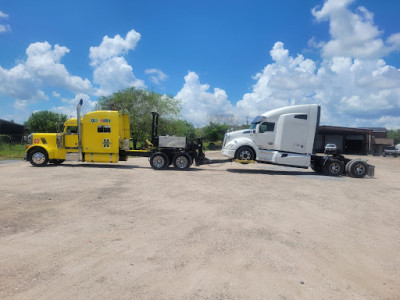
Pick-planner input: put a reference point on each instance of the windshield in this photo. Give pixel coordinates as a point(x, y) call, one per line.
point(255, 122)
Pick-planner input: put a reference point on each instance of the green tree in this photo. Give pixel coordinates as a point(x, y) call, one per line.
point(139, 104)
point(45, 121)
point(215, 132)
point(395, 135)
point(177, 127)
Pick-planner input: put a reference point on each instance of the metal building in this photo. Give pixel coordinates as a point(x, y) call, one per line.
point(348, 140)
point(353, 140)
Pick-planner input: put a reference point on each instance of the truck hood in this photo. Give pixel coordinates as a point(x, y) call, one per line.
point(229, 136)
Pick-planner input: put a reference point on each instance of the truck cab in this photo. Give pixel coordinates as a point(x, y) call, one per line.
point(103, 135)
point(282, 136)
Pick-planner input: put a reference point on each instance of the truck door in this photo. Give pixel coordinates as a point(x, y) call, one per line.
point(265, 135)
point(71, 139)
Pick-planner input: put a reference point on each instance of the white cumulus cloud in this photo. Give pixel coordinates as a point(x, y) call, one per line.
point(352, 82)
point(112, 47)
point(353, 33)
point(354, 90)
point(3, 15)
point(114, 74)
point(41, 69)
point(44, 62)
point(198, 103)
point(70, 104)
point(280, 83)
point(111, 70)
point(4, 27)
point(156, 75)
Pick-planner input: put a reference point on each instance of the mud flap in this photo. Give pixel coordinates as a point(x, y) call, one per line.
point(371, 171)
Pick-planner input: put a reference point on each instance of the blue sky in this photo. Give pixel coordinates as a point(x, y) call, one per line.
point(238, 58)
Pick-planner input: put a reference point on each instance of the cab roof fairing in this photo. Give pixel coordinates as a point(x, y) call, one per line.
point(305, 108)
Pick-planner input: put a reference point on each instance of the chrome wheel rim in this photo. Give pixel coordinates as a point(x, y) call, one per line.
point(158, 161)
point(38, 158)
point(245, 155)
point(181, 162)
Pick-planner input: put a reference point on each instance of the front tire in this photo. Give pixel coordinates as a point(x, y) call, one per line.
point(245, 153)
point(39, 158)
point(159, 161)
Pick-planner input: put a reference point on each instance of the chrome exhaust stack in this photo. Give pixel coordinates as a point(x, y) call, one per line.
point(78, 112)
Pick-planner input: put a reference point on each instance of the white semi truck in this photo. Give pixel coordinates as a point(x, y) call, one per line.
point(286, 136)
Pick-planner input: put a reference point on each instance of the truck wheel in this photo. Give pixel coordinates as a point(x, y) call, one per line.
point(245, 153)
point(159, 161)
point(358, 169)
point(182, 161)
point(333, 167)
point(38, 158)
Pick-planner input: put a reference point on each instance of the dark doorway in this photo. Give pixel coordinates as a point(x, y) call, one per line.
point(354, 147)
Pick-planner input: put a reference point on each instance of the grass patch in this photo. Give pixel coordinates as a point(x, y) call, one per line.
point(12, 151)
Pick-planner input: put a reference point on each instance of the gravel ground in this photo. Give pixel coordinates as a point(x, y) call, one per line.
point(227, 231)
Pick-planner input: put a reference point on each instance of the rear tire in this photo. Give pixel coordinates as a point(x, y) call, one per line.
point(159, 161)
point(358, 169)
point(347, 167)
point(38, 158)
point(333, 167)
point(182, 161)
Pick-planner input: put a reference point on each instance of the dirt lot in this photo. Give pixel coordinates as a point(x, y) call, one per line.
point(230, 231)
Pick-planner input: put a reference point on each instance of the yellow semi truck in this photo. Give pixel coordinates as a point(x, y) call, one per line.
point(103, 137)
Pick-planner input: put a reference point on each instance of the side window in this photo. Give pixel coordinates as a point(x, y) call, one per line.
point(104, 128)
point(72, 130)
point(301, 117)
point(267, 126)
